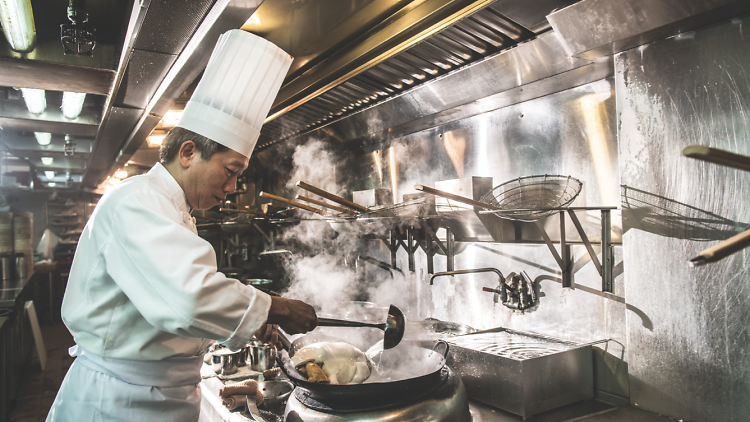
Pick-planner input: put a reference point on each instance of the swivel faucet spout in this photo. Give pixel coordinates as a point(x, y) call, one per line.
point(470, 271)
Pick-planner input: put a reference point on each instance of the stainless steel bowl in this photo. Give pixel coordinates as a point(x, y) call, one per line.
point(225, 361)
point(260, 356)
point(275, 394)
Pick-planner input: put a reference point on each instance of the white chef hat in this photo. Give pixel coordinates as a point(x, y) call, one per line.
point(233, 97)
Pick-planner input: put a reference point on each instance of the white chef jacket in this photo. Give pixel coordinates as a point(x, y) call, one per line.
point(144, 286)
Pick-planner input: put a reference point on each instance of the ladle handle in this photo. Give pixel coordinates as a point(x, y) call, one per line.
point(330, 322)
point(285, 343)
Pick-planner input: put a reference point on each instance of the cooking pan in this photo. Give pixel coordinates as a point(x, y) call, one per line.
point(397, 375)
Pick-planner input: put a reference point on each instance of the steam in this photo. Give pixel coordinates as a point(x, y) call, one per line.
point(325, 270)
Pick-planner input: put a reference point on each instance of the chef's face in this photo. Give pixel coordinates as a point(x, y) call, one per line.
point(207, 182)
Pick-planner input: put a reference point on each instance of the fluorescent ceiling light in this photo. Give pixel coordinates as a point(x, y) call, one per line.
point(42, 138)
point(171, 118)
point(121, 174)
point(114, 181)
point(47, 160)
point(49, 174)
point(52, 184)
point(155, 140)
point(35, 100)
point(18, 24)
point(72, 103)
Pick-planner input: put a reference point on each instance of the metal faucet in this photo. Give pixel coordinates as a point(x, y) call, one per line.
point(471, 271)
point(518, 295)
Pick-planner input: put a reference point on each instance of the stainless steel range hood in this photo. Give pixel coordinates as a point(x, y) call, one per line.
point(350, 56)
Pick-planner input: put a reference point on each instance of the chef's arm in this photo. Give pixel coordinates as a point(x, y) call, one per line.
point(294, 316)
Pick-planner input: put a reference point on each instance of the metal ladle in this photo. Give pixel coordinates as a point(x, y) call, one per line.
point(393, 327)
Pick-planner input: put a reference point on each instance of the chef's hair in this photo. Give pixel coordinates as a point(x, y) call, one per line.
point(172, 143)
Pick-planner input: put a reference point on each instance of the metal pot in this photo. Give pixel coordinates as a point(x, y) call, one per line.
point(260, 356)
point(275, 394)
point(403, 386)
point(225, 361)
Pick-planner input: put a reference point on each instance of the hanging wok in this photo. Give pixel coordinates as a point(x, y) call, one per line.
point(397, 375)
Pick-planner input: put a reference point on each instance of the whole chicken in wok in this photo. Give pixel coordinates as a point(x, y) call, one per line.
point(341, 362)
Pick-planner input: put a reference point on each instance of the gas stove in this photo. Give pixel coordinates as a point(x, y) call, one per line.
point(447, 401)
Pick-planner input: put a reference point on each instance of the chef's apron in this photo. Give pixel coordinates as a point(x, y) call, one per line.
point(105, 389)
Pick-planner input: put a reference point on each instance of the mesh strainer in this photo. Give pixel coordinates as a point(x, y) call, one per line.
point(533, 196)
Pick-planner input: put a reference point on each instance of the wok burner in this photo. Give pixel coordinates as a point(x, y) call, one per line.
point(446, 401)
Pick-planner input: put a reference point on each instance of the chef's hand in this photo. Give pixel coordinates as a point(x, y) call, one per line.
point(294, 316)
point(269, 333)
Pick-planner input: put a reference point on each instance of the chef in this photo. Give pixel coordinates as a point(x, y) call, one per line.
point(144, 299)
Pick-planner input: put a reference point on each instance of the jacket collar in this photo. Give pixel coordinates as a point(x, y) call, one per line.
point(174, 191)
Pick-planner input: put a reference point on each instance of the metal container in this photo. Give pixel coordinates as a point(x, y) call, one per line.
point(21, 266)
point(522, 373)
point(275, 394)
point(225, 361)
point(8, 267)
point(260, 356)
point(372, 197)
point(242, 359)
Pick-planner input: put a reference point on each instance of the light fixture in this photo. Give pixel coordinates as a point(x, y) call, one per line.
point(49, 174)
point(52, 184)
point(121, 174)
point(72, 104)
point(113, 181)
point(77, 38)
point(18, 24)
point(155, 140)
point(35, 100)
point(171, 118)
point(47, 160)
point(42, 138)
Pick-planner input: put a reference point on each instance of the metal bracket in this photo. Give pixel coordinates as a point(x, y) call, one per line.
point(448, 249)
point(411, 246)
point(392, 242)
point(565, 261)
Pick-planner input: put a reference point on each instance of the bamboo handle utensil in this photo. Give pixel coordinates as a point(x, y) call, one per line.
point(335, 198)
point(324, 204)
point(725, 158)
point(717, 156)
point(457, 198)
point(293, 203)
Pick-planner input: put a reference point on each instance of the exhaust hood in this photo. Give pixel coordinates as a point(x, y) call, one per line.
point(350, 56)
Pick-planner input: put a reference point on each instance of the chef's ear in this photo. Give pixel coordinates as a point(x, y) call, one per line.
point(188, 152)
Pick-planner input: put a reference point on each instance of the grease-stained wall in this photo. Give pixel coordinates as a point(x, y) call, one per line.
point(693, 363)
point(678, 341)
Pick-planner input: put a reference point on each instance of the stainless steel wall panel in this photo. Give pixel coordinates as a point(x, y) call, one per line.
point(692, 363)
point(595, 28)
point(529, 15)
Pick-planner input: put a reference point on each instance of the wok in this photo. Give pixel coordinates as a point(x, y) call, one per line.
point(397, 375)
